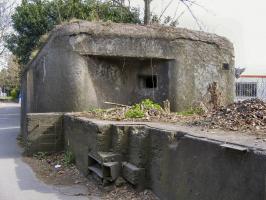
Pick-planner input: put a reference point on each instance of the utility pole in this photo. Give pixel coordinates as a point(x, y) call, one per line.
point(147, 12)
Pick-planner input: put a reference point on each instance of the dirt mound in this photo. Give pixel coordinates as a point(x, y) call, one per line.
point(243, 115)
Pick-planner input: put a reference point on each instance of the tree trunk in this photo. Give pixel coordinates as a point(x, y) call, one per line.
point(147, 12)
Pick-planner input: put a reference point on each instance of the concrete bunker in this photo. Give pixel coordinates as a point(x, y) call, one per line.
point(84, 64)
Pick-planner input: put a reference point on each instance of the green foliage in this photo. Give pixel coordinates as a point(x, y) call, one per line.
point(69, 158)
point(6, 98)
point(138, 110)
point(14, 93)
point(40, 155)
point(34, 18)
point(149, 104)
point(191, 111)
point(135, 112)
point(98, 110)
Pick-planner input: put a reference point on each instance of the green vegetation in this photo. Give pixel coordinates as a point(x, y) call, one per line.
point(14, 93)
point(6, 98)
point(10, 77)
point(34, 18)
point(191, 111)
point(148, 104)
point(40, 155)
point(135, 112)
point(138, 110)
point(69, 158)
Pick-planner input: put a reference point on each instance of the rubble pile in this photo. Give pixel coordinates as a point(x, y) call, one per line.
point(243, 115)
point(247, 115)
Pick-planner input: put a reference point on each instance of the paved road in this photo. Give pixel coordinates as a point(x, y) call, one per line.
point(17, 180)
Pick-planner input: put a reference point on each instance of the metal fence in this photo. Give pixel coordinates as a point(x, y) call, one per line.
point(247, 89)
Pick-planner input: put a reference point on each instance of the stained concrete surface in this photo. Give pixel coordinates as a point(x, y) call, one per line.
point(180, 163)
point(17, 180)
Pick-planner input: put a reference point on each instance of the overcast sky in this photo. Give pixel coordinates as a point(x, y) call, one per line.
point(241, 21)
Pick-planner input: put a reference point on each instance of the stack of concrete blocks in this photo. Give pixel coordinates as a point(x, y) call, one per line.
point(108, 151)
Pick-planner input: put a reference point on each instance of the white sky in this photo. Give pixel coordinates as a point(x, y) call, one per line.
point(241, 21)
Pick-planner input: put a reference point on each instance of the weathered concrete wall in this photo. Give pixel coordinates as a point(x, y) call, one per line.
point(44, 133)
point(23, 110)
point(175, 165)
point(84, 64)
point(198, 66)
point(60, 83)
point(121, 80)
point(82, 137)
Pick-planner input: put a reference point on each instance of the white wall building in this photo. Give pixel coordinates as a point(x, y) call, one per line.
point(251, 85)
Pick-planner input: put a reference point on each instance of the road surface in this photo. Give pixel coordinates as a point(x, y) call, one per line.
point(17, 180)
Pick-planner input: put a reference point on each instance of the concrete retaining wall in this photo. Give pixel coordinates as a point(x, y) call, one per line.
point(44, 132)
point(174, 164)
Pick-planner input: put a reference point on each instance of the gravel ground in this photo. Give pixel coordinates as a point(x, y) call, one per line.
point(68, 175)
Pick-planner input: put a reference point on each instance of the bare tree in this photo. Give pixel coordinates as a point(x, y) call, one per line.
point(173, 20)
point(10, 75)
point(169, 20)
point(6, 8)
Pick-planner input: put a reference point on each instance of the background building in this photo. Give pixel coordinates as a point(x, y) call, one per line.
point(251, 84)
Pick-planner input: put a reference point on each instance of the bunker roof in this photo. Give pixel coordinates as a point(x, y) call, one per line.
point(118, 30)
point(138, 31)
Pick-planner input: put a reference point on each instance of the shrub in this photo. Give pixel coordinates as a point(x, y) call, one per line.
point(135, 112)
point(149, 104)
point(138, 110)
point(14, 93)
point(69, 158)
point(40, 155)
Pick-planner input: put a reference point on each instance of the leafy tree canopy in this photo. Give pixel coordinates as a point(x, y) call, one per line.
point(34, 18)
